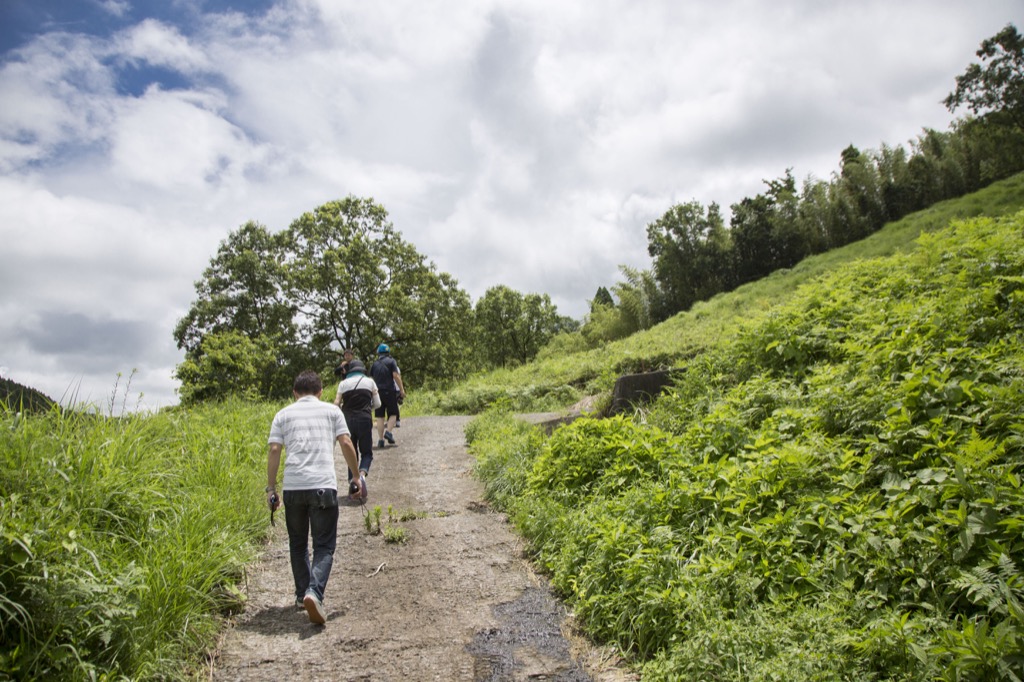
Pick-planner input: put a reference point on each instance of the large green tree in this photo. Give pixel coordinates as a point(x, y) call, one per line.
point(512, 327)
point(241, 295)
point(358, 283)
point(240, 290)
point(431, 328)
point(271, 305)
point(692, 254)
point(994, 91)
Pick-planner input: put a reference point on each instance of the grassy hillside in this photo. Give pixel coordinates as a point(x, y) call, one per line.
point(552, 383)
point(834, 489)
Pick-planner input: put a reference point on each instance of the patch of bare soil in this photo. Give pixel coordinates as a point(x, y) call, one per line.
point(455, 601)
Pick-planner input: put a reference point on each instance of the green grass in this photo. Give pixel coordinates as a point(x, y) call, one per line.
point(833, 492)
point(123, 539)
point(555, 383)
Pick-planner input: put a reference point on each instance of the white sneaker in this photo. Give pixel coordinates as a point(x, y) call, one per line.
point(315, 609)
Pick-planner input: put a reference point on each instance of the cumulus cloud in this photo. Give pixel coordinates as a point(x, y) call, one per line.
point(56, 94)
point(179, 141)
point(158, 44)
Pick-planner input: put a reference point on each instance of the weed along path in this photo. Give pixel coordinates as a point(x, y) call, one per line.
point(444, 591)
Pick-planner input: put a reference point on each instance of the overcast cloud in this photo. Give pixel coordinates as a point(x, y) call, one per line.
point(513, 142)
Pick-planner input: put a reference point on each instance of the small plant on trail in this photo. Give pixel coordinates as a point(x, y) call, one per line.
point(372, 520)
point(405, 515)
point(395, 535)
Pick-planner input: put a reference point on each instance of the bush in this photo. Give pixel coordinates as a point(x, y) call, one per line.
point(833, 495)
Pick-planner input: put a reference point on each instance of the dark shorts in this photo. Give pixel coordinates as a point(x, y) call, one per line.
point(388, 405)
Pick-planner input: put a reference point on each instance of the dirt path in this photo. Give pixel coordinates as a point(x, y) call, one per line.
point(455, 601)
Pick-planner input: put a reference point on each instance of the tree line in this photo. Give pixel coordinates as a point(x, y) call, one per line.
point(695, 255)
point(341, 276)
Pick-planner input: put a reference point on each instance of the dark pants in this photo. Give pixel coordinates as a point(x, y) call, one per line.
point(311, 513)
point(360, 426)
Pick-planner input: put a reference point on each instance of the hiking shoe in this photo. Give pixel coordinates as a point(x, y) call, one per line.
point(315, 609)
point(389, 437)
point(380, 444)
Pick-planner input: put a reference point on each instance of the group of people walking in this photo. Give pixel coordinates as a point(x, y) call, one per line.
point(311, 431)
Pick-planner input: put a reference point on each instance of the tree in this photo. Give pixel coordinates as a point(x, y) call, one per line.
point(241, 296)
point(230, 363)
point(793, 236)
point(432, 327)
point(357, 283)
point(995, 91)
point(692, 254)
point(602, 297)
point(271, 305)
point(639, 300)
point(342, 260)
point(859, 183)
point(512, 328)
point(241, 290)
point(751, 229)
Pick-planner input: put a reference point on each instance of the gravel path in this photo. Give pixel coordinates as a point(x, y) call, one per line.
point(455, 601)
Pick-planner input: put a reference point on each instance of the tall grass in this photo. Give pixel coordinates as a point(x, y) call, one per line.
point(123, 539)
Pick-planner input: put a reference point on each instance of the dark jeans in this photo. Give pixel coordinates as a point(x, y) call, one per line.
point(360, 426)
point(311, 513)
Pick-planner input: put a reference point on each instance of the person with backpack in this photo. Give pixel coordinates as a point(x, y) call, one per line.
point(358, 398)
point(389, 384)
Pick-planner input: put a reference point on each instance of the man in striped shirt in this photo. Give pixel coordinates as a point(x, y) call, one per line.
point(307, 430)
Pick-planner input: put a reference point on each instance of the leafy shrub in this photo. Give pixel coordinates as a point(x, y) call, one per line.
point(836, 494)
point(597, 457)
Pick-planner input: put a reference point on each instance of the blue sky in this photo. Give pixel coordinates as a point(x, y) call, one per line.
point(517, 142)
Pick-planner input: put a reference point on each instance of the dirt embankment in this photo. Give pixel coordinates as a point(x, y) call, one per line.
point(455, 601)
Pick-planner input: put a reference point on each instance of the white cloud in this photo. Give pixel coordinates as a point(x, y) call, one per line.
point(56, 93)
point(179, 141)
point(160, 45)
point(117, 8)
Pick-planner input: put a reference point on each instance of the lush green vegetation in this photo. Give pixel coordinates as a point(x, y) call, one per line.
point(834, 492)
point(716, 539)
point(123, 539)
point(567, 370)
